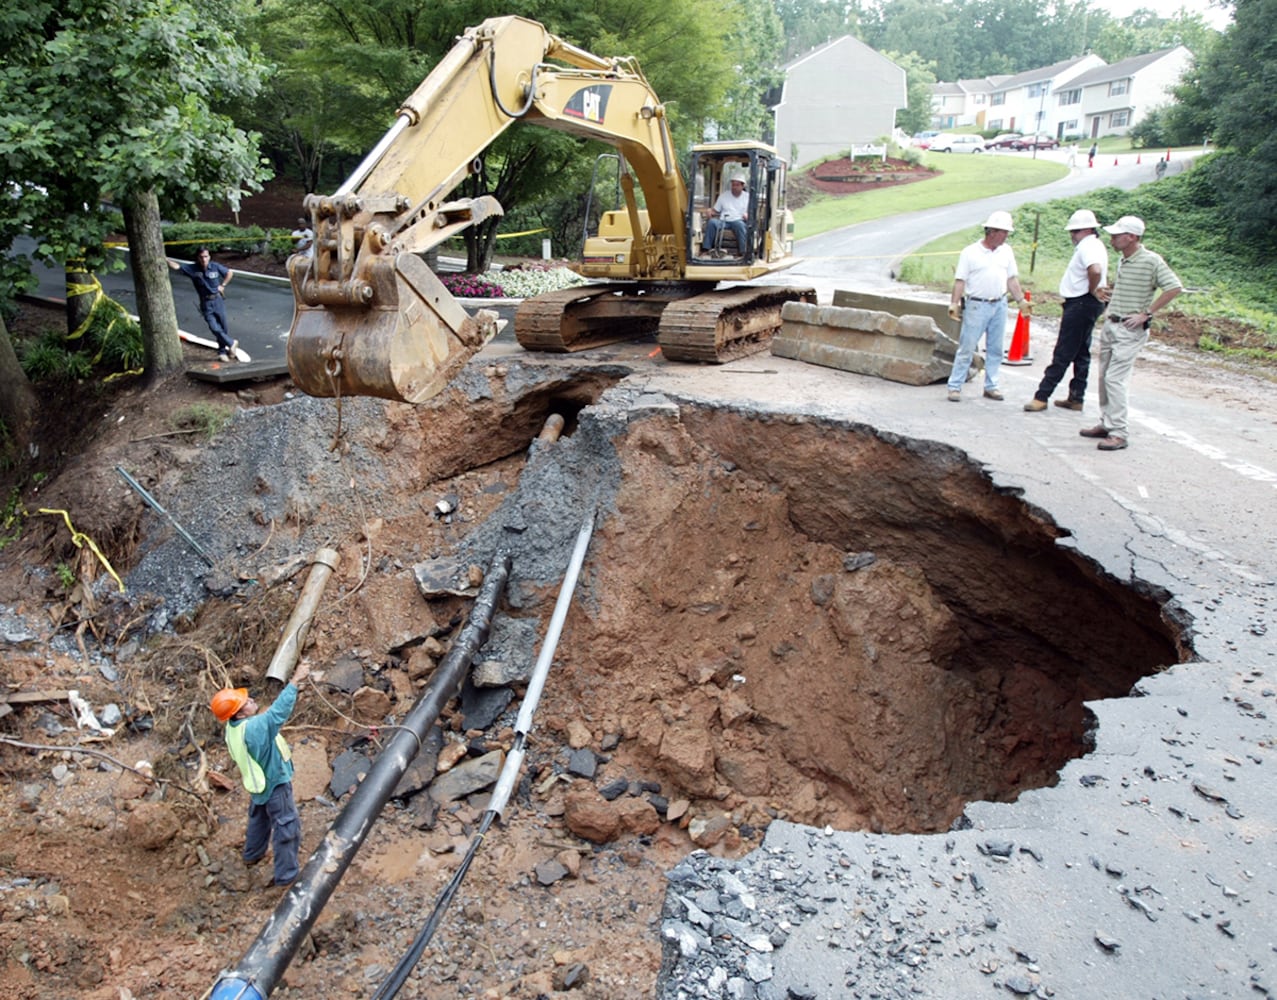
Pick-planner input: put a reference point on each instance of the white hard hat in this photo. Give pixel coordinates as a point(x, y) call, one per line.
point(1000, 220)
point(1083, 218)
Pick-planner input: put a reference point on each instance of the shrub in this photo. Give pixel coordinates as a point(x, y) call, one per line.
point(47, 359)
point(186, 237)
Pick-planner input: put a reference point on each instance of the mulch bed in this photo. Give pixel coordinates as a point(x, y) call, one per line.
point(843, 176)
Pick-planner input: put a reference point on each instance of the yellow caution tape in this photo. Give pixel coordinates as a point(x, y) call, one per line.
point(74, 291)
point(132, 371)
point(526, 232)
point(81, 539)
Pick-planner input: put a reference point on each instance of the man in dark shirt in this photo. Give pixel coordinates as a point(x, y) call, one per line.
point(210, 280)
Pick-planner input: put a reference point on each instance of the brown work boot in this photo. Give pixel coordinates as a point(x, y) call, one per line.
point(1034, 406)
point(1098, 431)
point(1068, 404)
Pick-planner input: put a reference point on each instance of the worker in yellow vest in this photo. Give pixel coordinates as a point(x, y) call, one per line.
point(265, 763)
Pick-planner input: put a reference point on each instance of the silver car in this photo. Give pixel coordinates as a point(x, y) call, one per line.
point(947, 143)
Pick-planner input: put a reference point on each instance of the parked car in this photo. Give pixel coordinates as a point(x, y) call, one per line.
point(947, 143)
point(1006, 140)
point(1040, 141)
point(922, 140)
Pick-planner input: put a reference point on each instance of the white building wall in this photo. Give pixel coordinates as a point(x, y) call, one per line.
point(842, 94)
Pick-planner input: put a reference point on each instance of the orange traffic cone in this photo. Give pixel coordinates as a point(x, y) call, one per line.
point(1168, 156)
point(1115, 161)
point(1019, 351)
point(1137, 159)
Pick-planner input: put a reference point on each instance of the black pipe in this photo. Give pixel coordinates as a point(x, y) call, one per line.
point(261, 967)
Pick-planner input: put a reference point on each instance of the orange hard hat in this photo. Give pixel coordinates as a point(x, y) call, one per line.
point(227, 702)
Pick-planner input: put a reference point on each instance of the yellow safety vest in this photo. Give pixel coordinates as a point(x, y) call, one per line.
point(251, 771)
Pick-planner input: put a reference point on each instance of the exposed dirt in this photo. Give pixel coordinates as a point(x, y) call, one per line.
point(776, 679)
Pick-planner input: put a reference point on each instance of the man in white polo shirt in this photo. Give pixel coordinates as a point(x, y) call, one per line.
point(986, 272)
point(1140, 273)
point(1087, 272)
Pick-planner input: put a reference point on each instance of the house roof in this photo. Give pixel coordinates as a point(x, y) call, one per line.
point(943, 89)
point(841, 40)
point(1120, 70)
point(1041, 75)
point(982, 86)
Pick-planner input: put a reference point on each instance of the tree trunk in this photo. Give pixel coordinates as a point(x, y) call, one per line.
point(18, 399)
point(83, 292)
point(155, 307)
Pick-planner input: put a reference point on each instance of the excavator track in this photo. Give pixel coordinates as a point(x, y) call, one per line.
point(577, 319)
point(721, 326)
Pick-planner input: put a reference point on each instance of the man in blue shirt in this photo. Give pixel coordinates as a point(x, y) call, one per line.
point(210, 279)
point(265, 764)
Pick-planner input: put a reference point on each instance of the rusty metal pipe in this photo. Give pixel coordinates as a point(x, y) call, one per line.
point(290, 646)
point(551, 429)
point(259, 970)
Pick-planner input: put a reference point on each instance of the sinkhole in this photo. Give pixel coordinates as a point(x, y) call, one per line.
point(807, 620)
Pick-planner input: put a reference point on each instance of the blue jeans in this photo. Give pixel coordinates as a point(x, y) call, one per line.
point(214, 312)
point(277, 815)
point(737, 226)
point(980, 319)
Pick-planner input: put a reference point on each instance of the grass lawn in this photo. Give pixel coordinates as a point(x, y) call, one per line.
point(965, 178)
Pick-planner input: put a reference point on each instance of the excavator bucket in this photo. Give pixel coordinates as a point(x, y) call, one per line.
point(403, 338)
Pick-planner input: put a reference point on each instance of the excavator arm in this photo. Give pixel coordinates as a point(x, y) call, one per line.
point(371, 318)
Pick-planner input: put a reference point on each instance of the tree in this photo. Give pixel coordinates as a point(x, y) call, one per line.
point(1232, 89)
point(808, 24)
point(919, 79)
point(118, 98)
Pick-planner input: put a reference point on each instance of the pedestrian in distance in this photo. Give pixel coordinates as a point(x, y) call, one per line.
point(1090, 157)
point(266, 768)
point(304, 238)
point(1131, 308)
point(1086, 274)
point(210, 280)
point(730, 211)
point(986, 272)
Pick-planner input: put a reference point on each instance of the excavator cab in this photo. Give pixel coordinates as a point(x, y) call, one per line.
point(768, 232)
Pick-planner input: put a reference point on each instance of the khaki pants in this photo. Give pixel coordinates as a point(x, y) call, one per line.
point(1118, 349)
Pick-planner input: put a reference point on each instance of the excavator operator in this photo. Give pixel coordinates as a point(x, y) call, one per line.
point(730, 211)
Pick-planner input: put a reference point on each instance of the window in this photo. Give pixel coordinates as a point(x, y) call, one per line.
point(1071, 96)
point(978, 98)
point(1119, 87)
point(1119, 119)
point(1040, 89)
point(999, 98)
point(995, 125)
point(1070, 126)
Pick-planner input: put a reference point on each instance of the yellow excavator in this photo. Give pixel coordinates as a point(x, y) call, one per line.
point(371, 317)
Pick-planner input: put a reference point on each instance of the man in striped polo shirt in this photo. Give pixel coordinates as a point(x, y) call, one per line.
point(1130, 308)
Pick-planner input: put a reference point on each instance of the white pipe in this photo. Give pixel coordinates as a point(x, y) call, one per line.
point(537, 683)
point(523, 725)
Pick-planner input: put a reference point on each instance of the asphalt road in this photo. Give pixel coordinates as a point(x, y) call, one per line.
point(259, 308)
